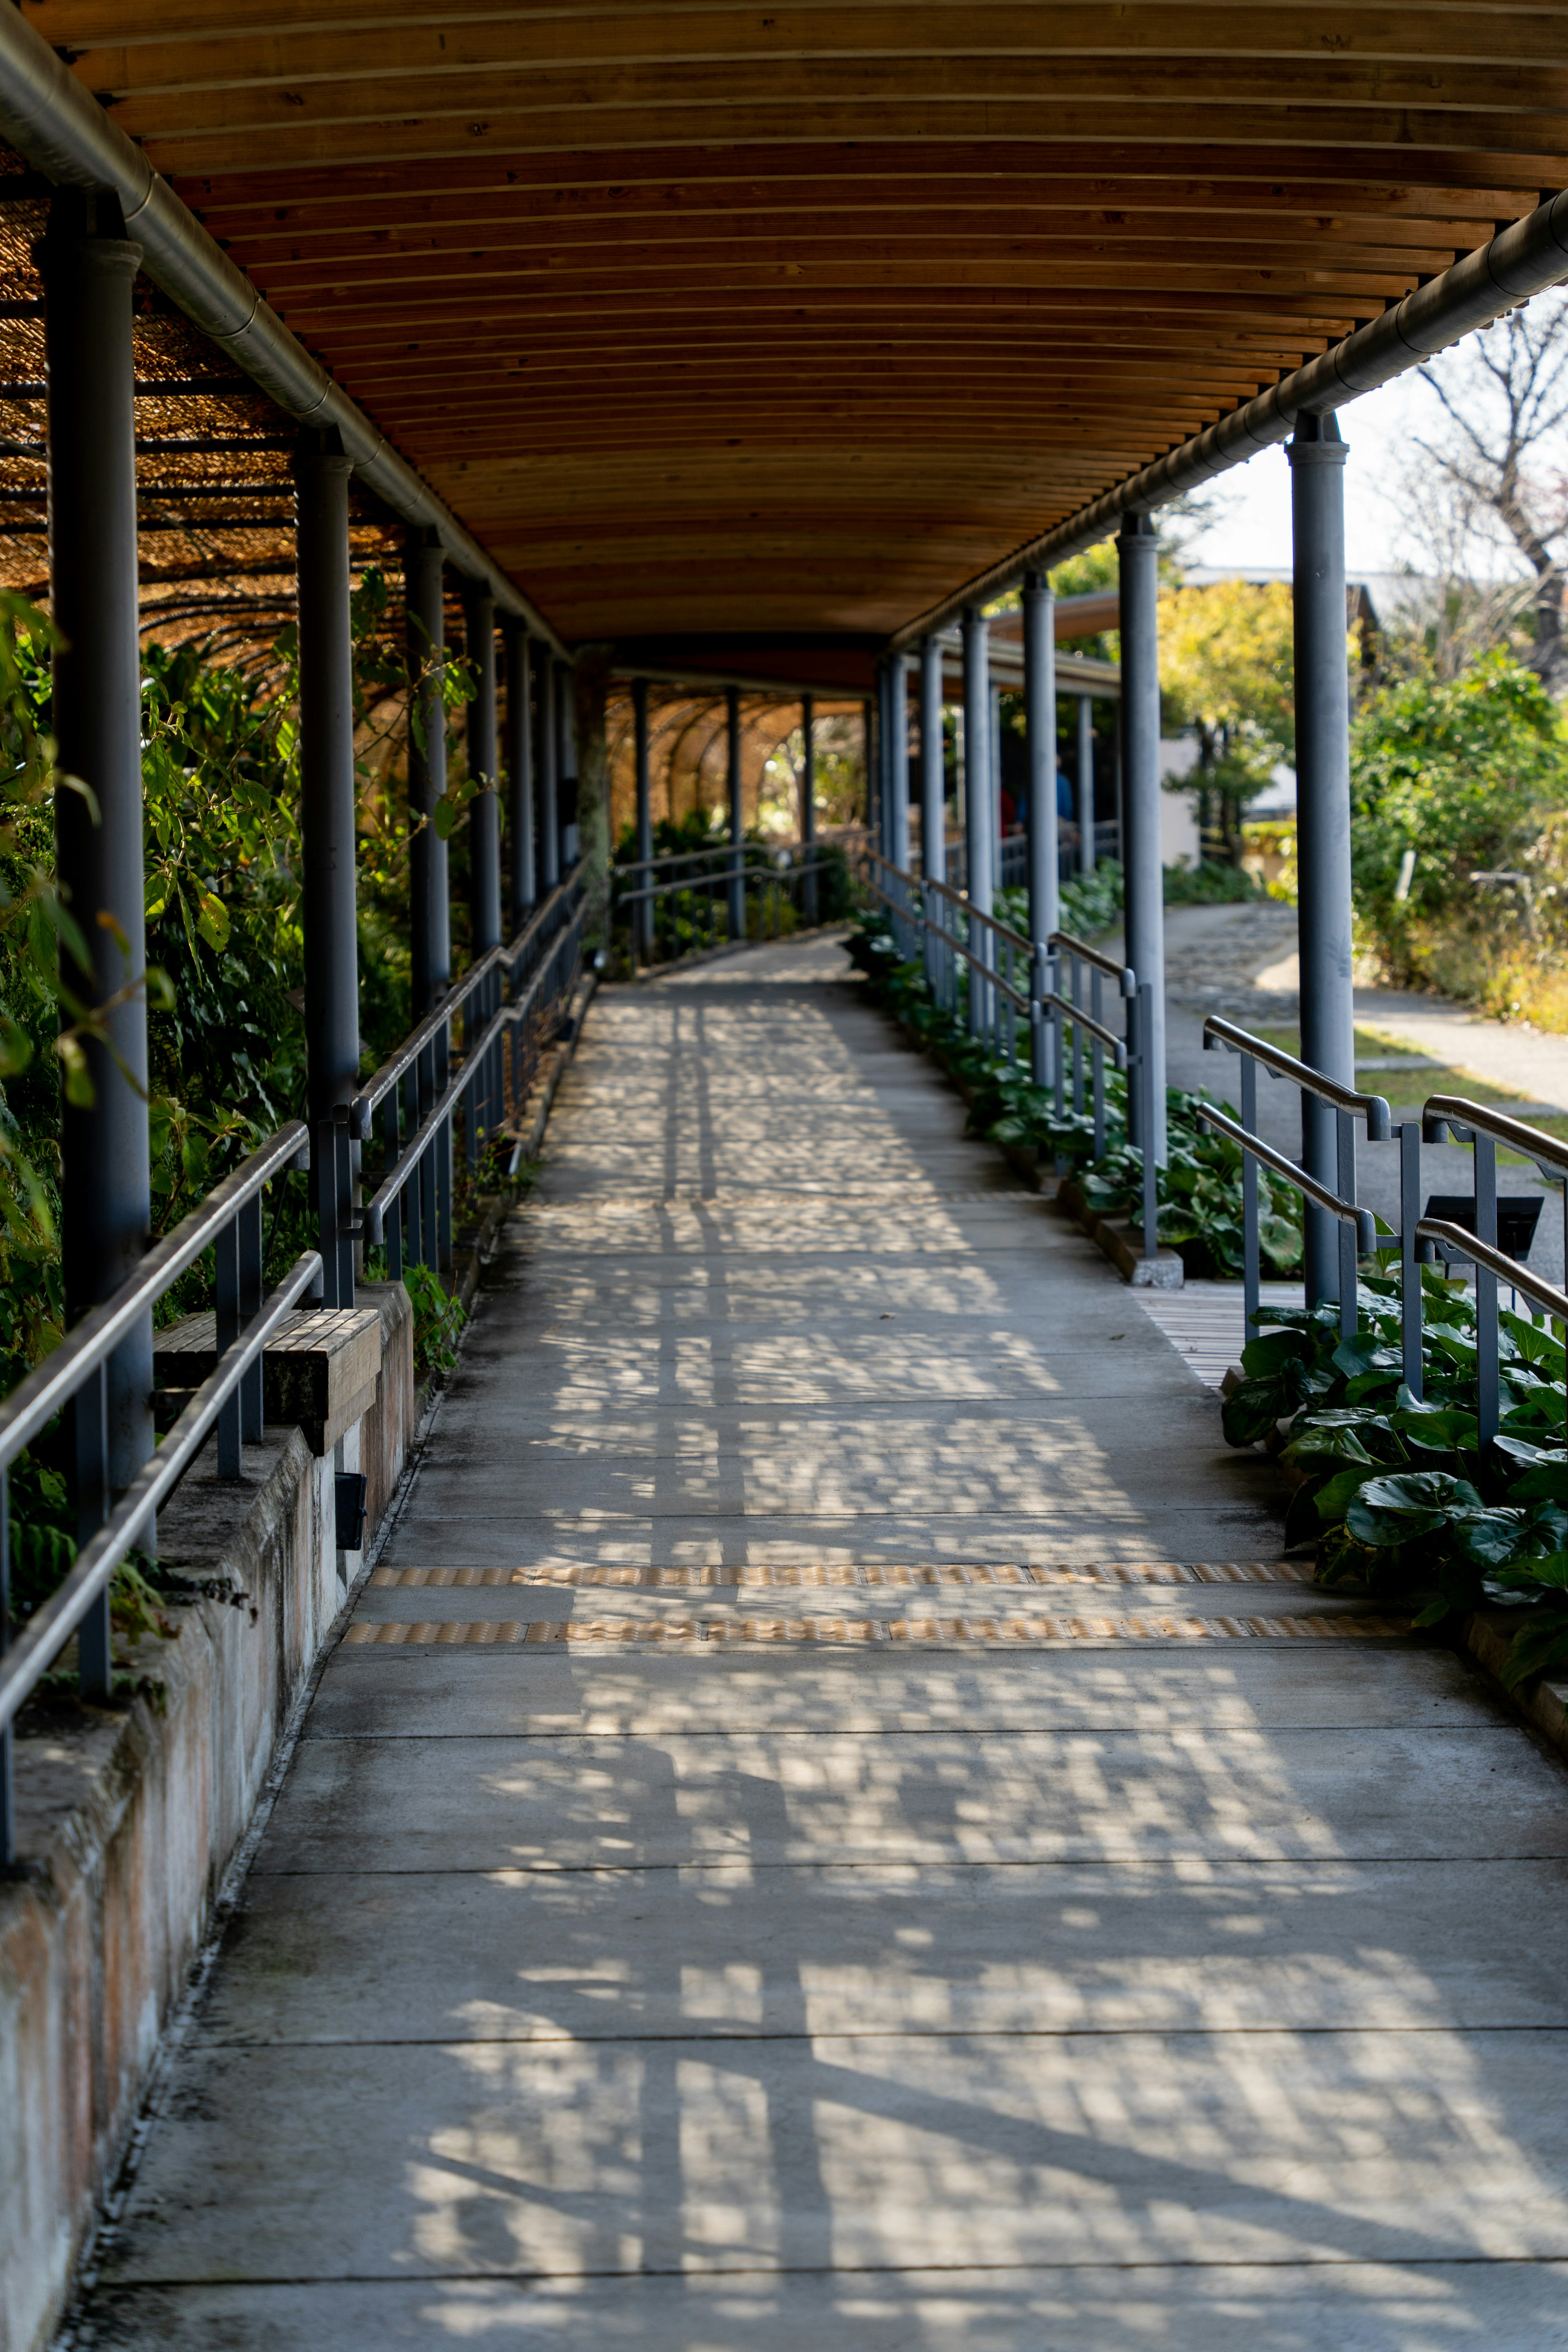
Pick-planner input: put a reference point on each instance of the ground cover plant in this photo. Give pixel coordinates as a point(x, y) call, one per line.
point(1199, 1193)
point(223, 982)
point(1397, 1491)
point(1394, 1491)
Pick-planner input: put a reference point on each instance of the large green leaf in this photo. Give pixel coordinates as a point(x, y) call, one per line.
point(1397, 1509)
point(1271, 1352)
point(1334, 1500)
point(1250, 1411)
point(1536, 1648)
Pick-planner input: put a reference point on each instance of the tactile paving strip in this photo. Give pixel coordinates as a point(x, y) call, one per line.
point(820, 1575)
point(727, 1633)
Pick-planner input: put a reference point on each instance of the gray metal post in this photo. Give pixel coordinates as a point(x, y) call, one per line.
point(993, 741)
point(869, 755)
point(980, 811)
point(808, 802)
point(484, 809)
point(328, 908)
point(1085, 786)
point(737, 888)
point(934, 772)
point(1316, 457)
point(1138, 548)
point(1045, 878)
point(899, 763)
point(549, 775)
point(89, 267)
point(566, 762)
point(429, 914)
point(642, 915)
point(520, 763)
point(1040, 721)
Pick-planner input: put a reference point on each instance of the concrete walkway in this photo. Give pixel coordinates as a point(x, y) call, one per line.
point(827, 1830)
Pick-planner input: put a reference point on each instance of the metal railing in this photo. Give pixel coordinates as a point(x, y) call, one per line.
point(511, 1001)
point(1420, 1239)
point(727, 892)
point(995, 959)
point(1355, 1224)
point(74, 1378)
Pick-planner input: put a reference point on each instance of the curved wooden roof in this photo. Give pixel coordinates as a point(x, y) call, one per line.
point(721, 326)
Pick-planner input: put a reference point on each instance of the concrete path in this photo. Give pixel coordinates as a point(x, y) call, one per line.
point(829, 1831)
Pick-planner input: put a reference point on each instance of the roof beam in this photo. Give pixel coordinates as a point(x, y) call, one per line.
point(53, 121)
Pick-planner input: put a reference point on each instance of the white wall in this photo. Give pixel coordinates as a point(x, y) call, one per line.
point(1178, 811)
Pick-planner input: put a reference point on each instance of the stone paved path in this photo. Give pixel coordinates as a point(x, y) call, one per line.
point(652, 1948)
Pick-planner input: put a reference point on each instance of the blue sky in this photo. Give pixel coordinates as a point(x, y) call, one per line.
point(1253, 504)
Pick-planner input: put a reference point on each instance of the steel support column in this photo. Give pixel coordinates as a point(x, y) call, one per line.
point(737, 888)
point(642, 913)
point(519, 764)
point(1040, 723)
point(1040, 734)
point(89, 268)
point(934, 770)
point(898, 763)
point(429, 912)
point(1138, 548)
point(566, 753)
point(808, 804)
point(868, 756)
point(1085, 786)
point(978, 800)
point(1316, 457)
point(328, 907)
point(549, 773)
point(484, 766)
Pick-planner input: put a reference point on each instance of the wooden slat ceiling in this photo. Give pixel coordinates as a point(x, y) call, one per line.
point(716, 324)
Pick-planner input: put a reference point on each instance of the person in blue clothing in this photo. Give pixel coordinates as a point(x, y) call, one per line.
point(1015, 811)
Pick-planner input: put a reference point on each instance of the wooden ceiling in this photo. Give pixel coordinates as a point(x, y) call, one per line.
point(718, 325)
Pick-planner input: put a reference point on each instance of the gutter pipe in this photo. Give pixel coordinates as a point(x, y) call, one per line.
point(53, 120)
point(1521, 260)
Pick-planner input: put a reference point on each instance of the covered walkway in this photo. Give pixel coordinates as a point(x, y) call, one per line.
point(788, 1855)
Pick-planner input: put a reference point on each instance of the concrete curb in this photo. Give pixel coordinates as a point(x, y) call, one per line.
point(1540, 1702)
point(1122, 1244)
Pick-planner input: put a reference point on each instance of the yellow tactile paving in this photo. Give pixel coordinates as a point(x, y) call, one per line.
point(725, 1631)
point(825, 1575)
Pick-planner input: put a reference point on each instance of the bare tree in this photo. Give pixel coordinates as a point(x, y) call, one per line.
point(1504, 395)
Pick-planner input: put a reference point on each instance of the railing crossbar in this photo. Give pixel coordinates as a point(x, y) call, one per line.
point(34, 1402)
point(1373, 1108)
point(51, 1625)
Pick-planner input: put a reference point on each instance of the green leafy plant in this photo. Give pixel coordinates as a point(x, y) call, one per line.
point(1198, 1194)
point(1397, 1491)
point(439, 1320)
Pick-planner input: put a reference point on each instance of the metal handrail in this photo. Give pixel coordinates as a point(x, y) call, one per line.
point(543, 915)
point(1374, 1108)
point(1082, 1020)
point(1063, 943)
point(1464, 1120)
point(973, 914)
point(720, 879)
point(1050, 1014)
point(51, 1625)
point(1459, 1241)
point(34, 1402)
point(726, 849)
point(412, 1151)
point(1319, 1194)
point(987, 971)
point(436, 1023)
